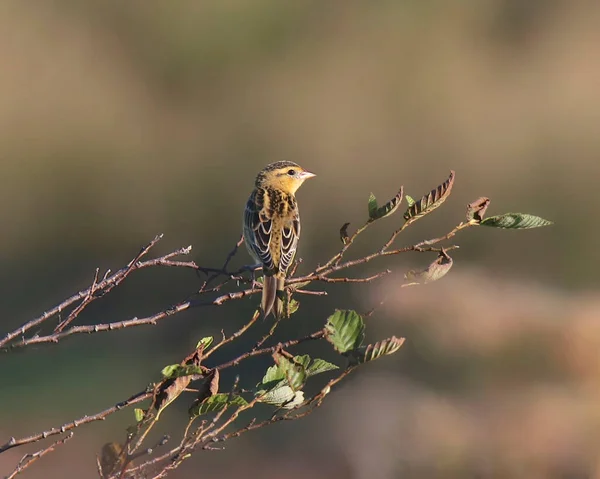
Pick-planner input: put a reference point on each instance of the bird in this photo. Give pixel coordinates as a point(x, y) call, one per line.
point(271, 226)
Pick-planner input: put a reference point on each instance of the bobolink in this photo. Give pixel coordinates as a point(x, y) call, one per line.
point(272, 226)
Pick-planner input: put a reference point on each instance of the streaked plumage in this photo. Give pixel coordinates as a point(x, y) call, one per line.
point(272, 226)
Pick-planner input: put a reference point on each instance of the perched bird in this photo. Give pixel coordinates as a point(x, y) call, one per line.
point(272, 226)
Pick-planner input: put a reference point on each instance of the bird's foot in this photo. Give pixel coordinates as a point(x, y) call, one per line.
point(253, 268)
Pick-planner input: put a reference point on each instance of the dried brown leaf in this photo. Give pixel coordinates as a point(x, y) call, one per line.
point(170, 390)
point(436, 270)
point(344, 233)
point(430, 201)
point(209, 388)
point(213, 384)
point(476, 209)
point(112, 458)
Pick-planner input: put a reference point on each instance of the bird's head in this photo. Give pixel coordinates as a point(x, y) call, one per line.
point(283, 175)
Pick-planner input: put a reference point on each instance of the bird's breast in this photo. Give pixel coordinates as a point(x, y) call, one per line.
point(279, 204)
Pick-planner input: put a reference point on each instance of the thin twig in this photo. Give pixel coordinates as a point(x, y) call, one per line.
point(100, 328)
point(258, 352)
point(28, 459)
point(309, 405)
point(136, 398)
point(270, 333)
point(223, 271)
point(459, 227)
point(102, 287)
point(117, 325)
point(81, 306)
point(352, 280)
point(311, 293)
point(234, 336)
point(335, 259)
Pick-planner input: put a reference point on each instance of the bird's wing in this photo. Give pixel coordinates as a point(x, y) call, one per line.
point(257, 229)
point(290, 234)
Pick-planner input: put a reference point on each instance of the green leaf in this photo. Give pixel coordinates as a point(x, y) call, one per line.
point(169, 371)
point(292, 306)
point(205, 343)
point(293, 371)
point(283, 396)
point(476, 209)
point(304, 360)
point(431, 201)
point(372, 206)
point(274, 373)
point(139, 414)
point(319, 366)
point(284, 372)
point(515, 221)
point(282, 382)
point(281, 385)
point(345, 330)
point(216, 403)
point(436, 270)
point(376, 212)
point(177, 370)
point(296, 376)
point(275, 387)
point(409, 200)
point(374, 351)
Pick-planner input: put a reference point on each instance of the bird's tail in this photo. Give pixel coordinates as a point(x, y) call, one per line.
point(271, 295)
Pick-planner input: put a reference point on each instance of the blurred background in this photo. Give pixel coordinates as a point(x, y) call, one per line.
point(121, 120)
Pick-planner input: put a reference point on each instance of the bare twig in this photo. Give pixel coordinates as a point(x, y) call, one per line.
point(352, 280)
point(335, 259)
point(28, 459)
point(234, 336)
point(456, 229)
point(223, 270)
point(148, 320)
point(12, 442)
point(81, 306)
point(269, 333)
point(309, 406)
point(258, 352)
point(311, 293)
point(99, 288)
point(100, 328)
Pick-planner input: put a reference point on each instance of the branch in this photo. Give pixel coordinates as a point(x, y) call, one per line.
point(258, 352)
point(28, 459)
point(292, 415)
point(98, 289)
point(216, 272)
point(143, 395)
point(12, 442)
point(100, 328)
point(209, 431)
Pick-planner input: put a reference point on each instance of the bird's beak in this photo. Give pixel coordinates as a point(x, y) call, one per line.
point(305, 175)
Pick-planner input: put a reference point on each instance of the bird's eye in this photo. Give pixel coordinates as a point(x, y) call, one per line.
point(291, 172)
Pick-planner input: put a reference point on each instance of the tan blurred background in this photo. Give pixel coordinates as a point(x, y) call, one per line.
point(120, 120)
